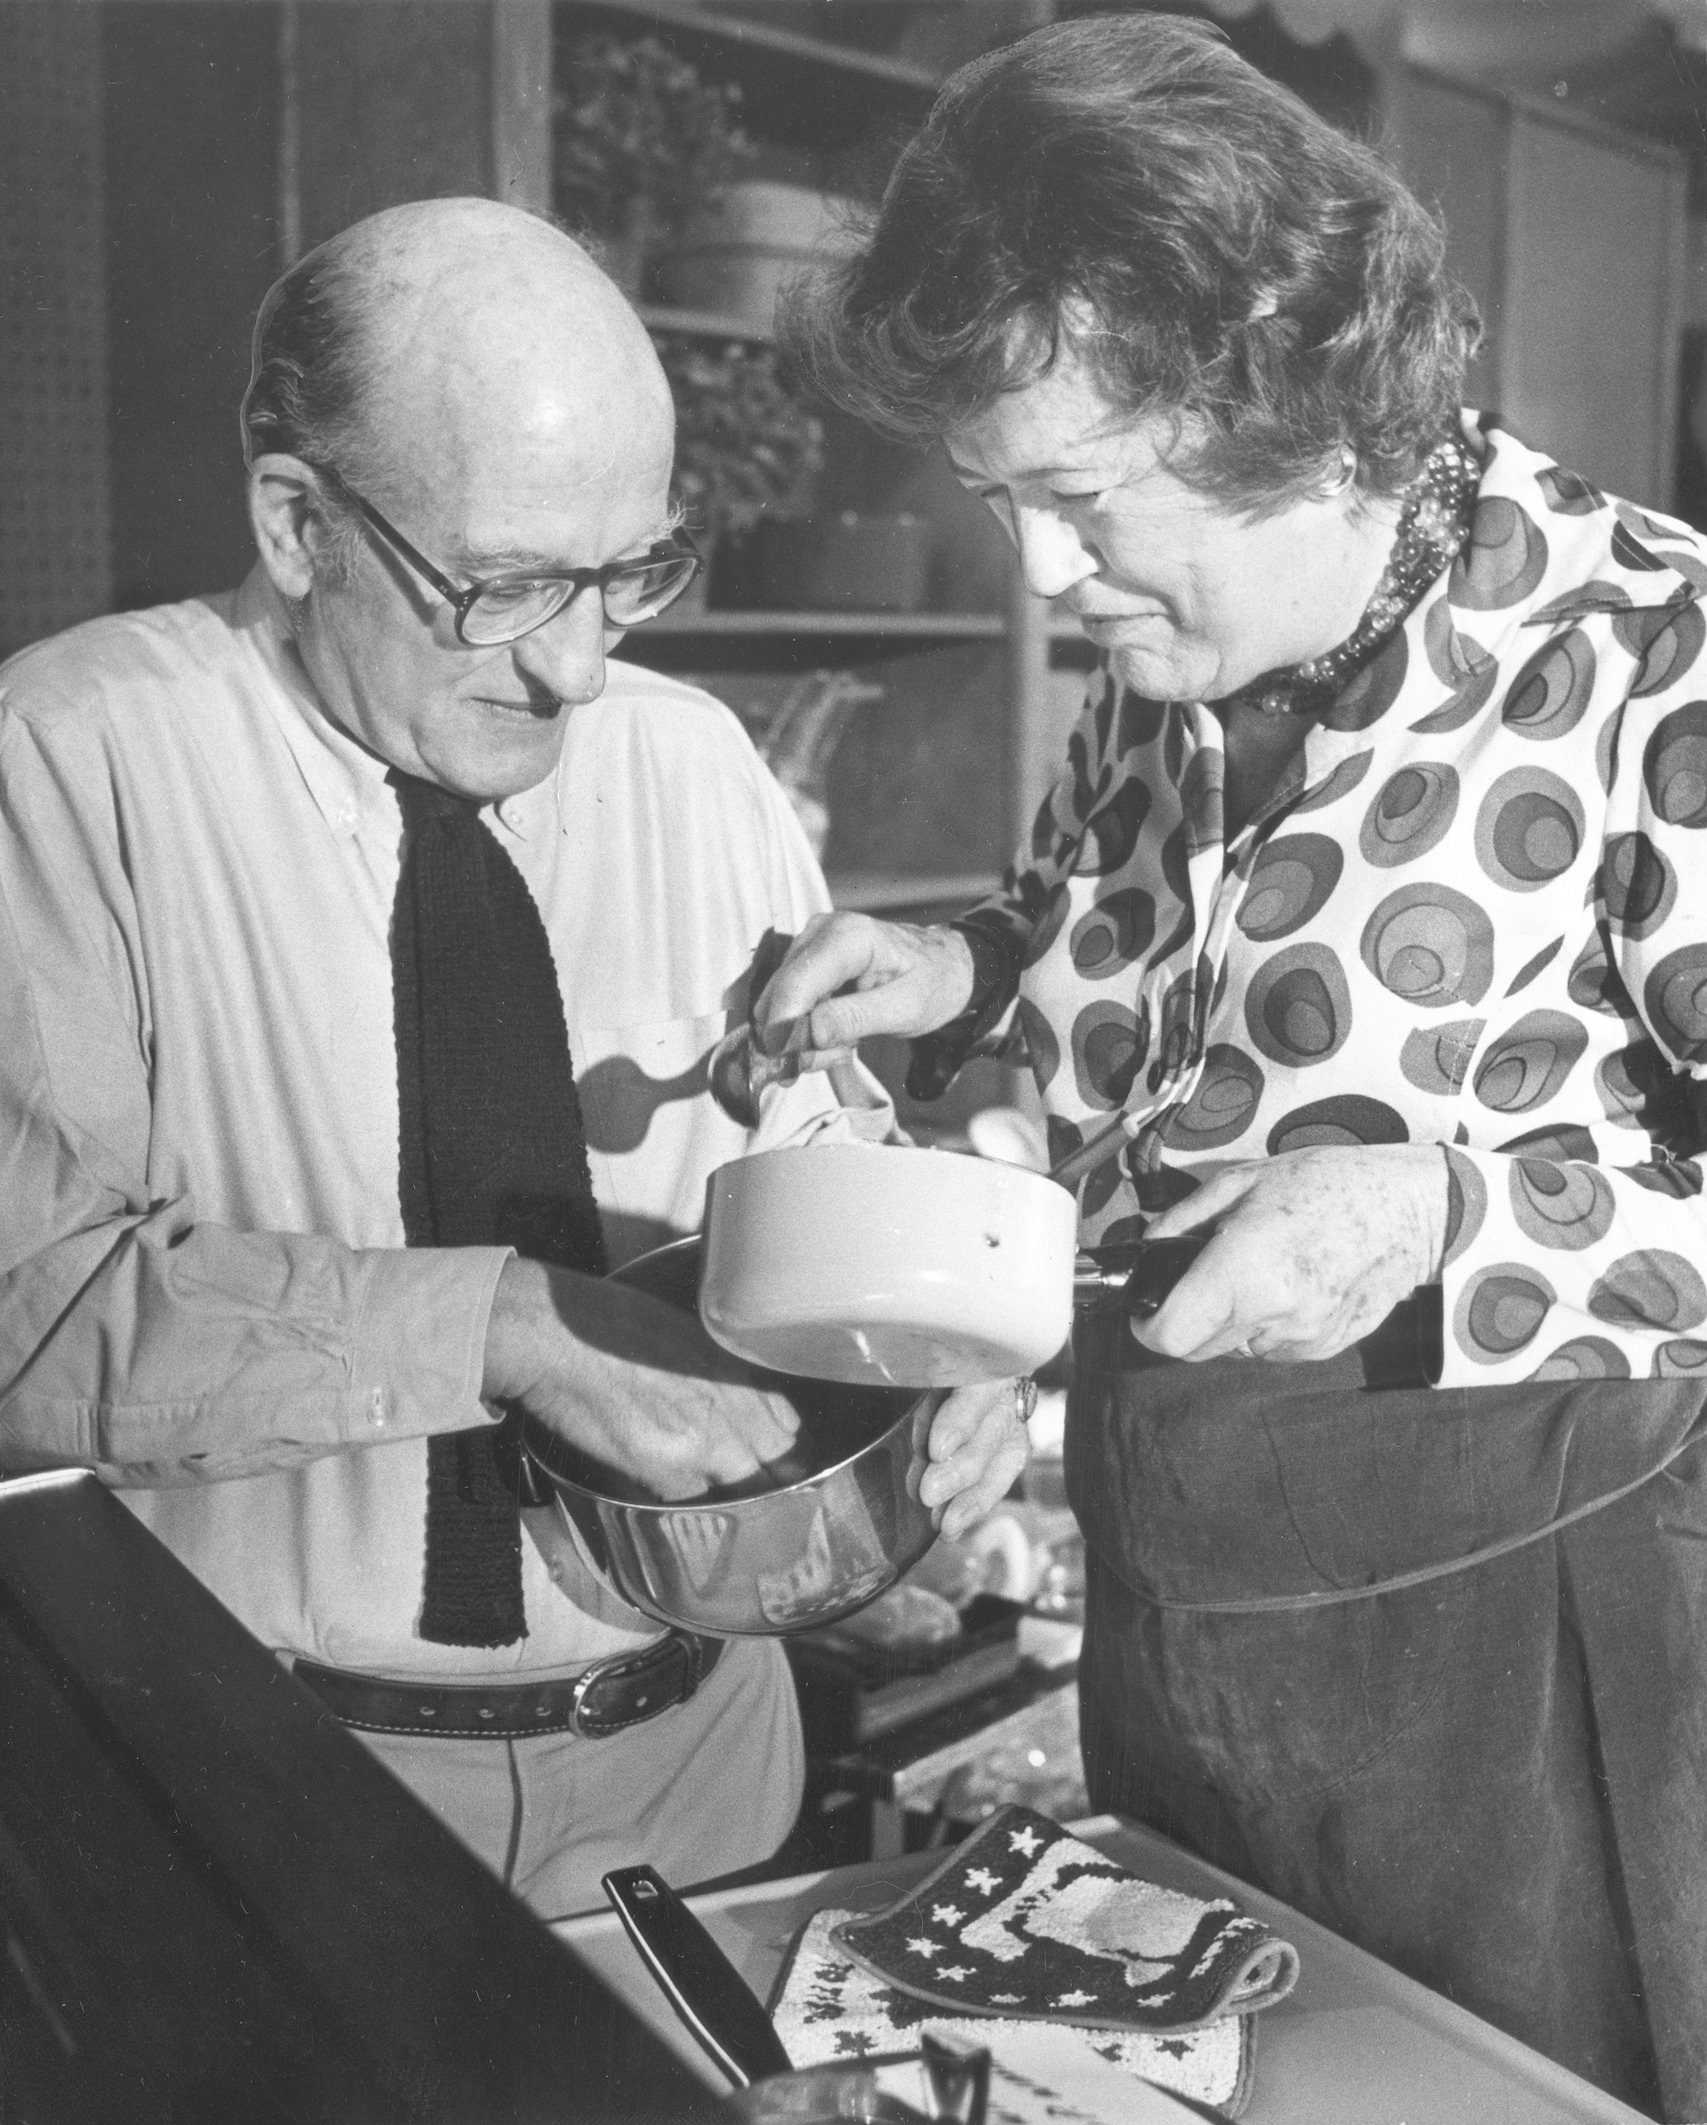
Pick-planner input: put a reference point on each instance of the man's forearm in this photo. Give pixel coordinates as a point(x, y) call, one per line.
point(164, 1355)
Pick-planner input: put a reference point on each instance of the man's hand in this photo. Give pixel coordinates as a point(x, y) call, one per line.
point(901, 979)
point(630, 1380)
point(1312, 1250)
point(640, 1386)
point(977, 1448)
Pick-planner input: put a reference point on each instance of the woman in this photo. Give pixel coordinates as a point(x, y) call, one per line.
point(1371, 901)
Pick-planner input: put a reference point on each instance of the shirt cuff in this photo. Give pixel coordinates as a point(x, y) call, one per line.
point(420, 1345)
point(997, 956)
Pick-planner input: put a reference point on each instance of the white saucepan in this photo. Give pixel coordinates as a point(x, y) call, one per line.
point(887, 1264)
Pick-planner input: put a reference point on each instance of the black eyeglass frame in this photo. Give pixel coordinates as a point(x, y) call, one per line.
point(462, 601)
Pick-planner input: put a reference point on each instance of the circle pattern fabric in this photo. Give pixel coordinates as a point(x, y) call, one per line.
point(1664, 644)
point(1472, 913)
point(1298, 1007)
point(1637, 884)
point(1561, 1205)
point(1674, 767)
point(1290, 882)
point(1529, 829)
point(1347, 1118)
point(1109, 1044)
point(1219, 1111)
point(1584, 1358)
point(1653, 1286)
point(1436, 1059)
point(1526, 1065)
point(1118, 930)
point(1411, 814)
point(1551, 694)
point(1683, 1358)
point(1501, 1310)
point(1676, 998)
point(1504, 561)
point(1430, 945)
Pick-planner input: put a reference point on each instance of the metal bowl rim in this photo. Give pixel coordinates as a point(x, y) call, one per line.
point(532, 1427)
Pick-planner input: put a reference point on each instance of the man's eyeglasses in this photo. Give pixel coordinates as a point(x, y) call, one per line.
point(504, 608)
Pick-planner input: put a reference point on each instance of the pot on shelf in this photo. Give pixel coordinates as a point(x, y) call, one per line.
point(742, 251)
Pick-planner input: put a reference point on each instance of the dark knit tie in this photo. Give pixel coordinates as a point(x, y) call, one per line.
point(491, 1153)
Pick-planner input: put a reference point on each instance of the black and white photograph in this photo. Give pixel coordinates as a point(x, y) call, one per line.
point(853, 1062)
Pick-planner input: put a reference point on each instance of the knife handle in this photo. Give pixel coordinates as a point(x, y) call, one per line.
point(696, 1977)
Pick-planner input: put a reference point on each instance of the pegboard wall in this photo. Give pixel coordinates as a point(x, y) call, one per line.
point(55, 566)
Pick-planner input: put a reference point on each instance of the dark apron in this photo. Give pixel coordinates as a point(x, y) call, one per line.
point(1427, 1664)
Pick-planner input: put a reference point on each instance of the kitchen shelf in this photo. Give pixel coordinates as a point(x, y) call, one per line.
point(878, 893)
point(925, 626)
point(682, 23)
point(703, 324)
point(801, 641)
point(817, 97)
point(834, 115)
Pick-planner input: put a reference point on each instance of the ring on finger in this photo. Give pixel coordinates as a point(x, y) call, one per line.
point(1025, 1399)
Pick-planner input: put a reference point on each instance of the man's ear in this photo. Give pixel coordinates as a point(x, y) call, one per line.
point(282, 514)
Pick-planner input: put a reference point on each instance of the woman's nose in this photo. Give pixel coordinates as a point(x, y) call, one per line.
point(567, 654)
point(1052, 556)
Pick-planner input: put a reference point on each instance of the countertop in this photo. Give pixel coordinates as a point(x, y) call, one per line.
point(1354, 2044)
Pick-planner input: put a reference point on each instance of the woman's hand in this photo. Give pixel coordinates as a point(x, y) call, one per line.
point(977, 1446)
point(849, 976)
point(1311, 1250)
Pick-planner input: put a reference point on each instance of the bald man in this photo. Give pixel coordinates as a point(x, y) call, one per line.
point(218, 1286)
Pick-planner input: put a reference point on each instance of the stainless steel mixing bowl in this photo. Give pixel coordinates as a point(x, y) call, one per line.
point(772, 1556)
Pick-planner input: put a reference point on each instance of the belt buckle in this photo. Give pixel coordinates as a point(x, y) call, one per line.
point(597, 1672)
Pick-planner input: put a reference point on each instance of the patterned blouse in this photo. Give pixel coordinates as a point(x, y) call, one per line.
point(1473, 912)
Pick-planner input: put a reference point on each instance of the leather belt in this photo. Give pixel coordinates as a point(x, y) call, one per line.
point(612, 1694)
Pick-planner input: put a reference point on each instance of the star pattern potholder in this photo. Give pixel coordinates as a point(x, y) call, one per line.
point(826, 2008)
point(1027, 1922)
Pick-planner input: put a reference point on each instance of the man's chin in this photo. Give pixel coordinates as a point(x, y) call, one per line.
point(487, 774)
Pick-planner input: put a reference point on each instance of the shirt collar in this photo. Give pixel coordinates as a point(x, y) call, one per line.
point(345, 780)
point(1548, 547)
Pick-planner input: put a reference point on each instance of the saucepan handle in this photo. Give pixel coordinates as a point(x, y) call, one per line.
point(1404, 1350)
point(697, 1978)
point(1137, 1275)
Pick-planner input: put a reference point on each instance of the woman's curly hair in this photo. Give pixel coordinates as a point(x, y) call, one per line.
point(1222, 258)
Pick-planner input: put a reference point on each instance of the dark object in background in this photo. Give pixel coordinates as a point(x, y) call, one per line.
point(849, 562)
point(217, 1905)
point(850, 1693)
point(1690, 500)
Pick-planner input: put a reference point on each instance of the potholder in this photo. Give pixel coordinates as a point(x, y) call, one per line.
point(1026, 1922)
point(826, 2008)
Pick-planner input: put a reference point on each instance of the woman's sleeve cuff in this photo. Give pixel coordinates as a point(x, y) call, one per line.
point(998, 953)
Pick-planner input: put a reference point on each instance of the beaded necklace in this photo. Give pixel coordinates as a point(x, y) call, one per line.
point(1434, 522)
